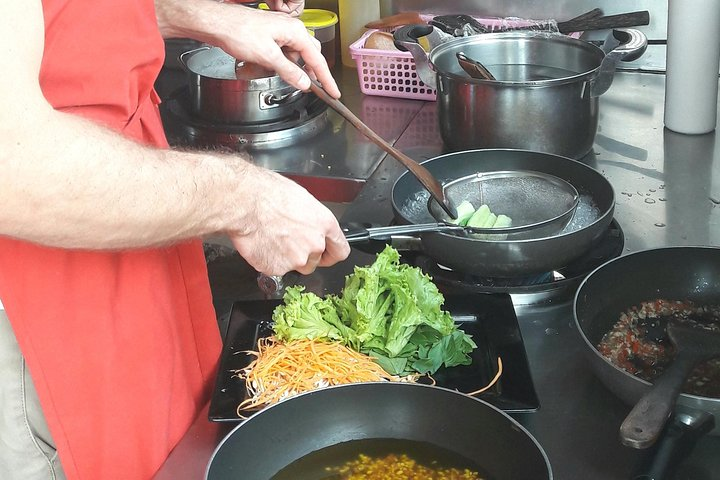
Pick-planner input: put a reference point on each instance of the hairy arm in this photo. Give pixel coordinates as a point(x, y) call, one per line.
point(274, 40)
point(68, 182)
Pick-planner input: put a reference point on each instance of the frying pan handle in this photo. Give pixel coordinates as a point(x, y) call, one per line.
point(679, 438)
point(631, 19)
point(643, 425)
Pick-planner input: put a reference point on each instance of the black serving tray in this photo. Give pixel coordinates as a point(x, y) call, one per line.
point(489, 318)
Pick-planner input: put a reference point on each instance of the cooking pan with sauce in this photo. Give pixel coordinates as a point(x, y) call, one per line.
point(685, 274)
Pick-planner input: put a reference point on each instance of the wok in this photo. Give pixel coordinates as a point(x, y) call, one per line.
point(509, 258)
point(280, 434)
point(680, 273)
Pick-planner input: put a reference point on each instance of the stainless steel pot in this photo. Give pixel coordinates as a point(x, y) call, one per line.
point(544, 96)
point(227, 91)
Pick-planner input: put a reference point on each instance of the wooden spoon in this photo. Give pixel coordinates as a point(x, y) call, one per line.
point(474, 68)
point(421, 173)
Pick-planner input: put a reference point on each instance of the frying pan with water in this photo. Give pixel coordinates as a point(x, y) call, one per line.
point(510, 257)
point(280, 434)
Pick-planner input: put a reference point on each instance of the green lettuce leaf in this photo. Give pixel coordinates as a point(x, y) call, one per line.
point(388, 310)
point(306, 315)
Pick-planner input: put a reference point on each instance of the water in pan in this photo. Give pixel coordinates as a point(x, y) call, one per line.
point(415, 209)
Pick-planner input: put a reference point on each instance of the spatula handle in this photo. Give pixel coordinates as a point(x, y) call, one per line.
point(421, 173)
point(643, 425)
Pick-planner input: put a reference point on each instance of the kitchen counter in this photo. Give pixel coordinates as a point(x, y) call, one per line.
point(667, 189)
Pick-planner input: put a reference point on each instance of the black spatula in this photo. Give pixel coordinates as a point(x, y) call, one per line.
point(645, 422)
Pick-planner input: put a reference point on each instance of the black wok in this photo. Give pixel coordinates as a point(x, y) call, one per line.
point(680, 273)
point(508, 258)
point(285, 432)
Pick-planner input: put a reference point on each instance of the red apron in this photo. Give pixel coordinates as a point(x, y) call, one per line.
point(122, 346)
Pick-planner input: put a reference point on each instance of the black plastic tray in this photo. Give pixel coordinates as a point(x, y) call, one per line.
point(489, 318)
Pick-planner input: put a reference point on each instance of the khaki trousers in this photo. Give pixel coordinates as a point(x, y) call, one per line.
point(27, 452)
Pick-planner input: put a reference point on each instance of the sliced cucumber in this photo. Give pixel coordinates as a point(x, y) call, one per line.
point(480, 217)
point(503, 221)
point(465, 210)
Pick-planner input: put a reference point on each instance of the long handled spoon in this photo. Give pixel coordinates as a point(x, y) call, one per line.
point(421, 173)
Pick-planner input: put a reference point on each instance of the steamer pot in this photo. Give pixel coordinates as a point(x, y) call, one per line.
point(227, 91)
point(544, 96)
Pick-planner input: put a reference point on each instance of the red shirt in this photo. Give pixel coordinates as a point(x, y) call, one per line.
point(122, 346)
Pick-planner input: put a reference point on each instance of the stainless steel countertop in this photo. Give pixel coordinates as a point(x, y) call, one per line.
point(668, 193)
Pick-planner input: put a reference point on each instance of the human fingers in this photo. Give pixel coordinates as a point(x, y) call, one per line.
point(292, 7)
point(337, 249)
point(312, 263)
point(315, 65)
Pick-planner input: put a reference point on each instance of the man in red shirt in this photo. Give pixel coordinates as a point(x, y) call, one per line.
point(102, 274)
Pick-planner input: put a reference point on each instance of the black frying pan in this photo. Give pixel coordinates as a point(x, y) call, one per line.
point(680, 273)
point(508, 258)
point(285, 432)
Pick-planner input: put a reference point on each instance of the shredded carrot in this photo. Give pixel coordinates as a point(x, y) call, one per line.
point(492, 382)
point(281, 370)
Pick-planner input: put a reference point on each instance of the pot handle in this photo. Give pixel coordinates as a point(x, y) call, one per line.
point(406, 39)
point(272, 100)
point(622, 44)
point(185, 55)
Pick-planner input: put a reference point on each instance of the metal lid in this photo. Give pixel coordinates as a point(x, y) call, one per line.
point(213, 62)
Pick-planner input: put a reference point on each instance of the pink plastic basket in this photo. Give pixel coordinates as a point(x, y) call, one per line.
point(388, 73)
point(391, 73)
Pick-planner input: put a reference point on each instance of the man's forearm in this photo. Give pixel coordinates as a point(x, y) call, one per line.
point(196, 19)
point(88, 187)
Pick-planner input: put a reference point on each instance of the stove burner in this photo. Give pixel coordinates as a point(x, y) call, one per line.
point(562, 281)
point(304, 122)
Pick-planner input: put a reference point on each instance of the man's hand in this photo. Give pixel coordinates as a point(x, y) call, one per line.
point(292, 7)
point(275, 40)
point(287, 228)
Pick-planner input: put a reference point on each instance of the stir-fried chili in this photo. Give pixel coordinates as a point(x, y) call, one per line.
point(638, 342)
